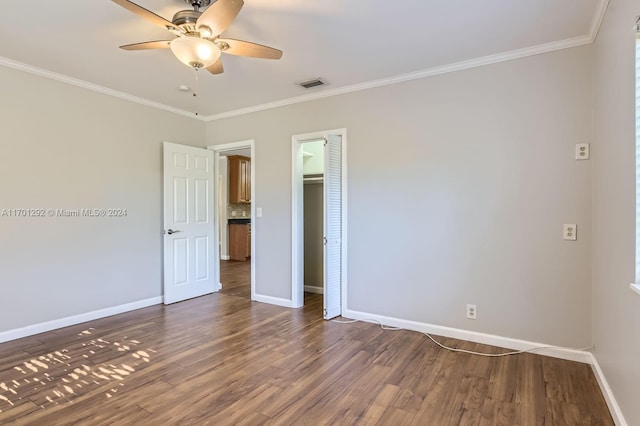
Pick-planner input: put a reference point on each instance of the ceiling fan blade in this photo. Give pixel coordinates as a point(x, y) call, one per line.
point(216, 68)
point(245, 48)
point(220, 15)
point(159, 44)
point(144, 13)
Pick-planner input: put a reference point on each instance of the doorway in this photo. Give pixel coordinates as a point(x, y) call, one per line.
point(334, 224)
point(313, 215)
point(234, 208)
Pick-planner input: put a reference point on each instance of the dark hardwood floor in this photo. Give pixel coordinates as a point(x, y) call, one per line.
point(222, 359)
point(235, 277)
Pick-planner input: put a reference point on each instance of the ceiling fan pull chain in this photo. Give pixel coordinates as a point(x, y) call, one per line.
point(195, 89)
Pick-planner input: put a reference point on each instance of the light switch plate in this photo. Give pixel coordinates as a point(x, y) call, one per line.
point(259, 211)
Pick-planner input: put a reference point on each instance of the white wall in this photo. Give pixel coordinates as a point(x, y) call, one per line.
point(67, 147)
point(616, 310)
point(313, 234)
point(475, 171)
point(313, 160)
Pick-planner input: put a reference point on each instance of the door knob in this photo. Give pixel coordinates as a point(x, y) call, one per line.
point(171, 231)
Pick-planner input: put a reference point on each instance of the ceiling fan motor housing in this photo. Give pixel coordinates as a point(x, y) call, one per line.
point(186, 19)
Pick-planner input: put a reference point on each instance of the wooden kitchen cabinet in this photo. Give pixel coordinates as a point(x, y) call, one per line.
point(239, 179)
point(239, 241)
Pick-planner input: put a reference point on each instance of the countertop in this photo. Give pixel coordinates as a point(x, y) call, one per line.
point(239, 220)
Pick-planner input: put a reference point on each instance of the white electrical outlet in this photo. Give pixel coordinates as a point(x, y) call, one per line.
point(471, 312)
point(569, 232)
point(582, 151)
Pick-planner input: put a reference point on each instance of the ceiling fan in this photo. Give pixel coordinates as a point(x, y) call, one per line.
point(198, 43)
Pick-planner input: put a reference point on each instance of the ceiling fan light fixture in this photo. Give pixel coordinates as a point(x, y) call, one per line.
point(195, 52)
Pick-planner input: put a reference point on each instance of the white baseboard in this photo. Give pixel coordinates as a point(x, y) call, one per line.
point(314, 289)
point(225, 257)
point(614, 408)
point(42, 327)
point(473, 336)
point(273, 300)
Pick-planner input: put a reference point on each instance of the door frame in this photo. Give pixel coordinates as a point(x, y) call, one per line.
point(297, 215)
point(216, 196)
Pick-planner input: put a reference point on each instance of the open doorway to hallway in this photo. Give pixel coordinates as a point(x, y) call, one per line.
point(234, 209)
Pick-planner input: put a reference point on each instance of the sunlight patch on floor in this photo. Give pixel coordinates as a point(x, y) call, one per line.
point(60, 376)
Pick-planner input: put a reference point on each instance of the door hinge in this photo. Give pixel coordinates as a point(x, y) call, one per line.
point(326, 141)
point(324, 312)
point(324, 241)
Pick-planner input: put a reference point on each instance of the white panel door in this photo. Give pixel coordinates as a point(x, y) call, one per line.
point(332, 226)
point(188, 222)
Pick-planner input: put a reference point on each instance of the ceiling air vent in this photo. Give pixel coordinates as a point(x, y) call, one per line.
point(312, 83)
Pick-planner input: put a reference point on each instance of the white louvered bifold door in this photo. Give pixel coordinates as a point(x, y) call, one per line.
point(332, 226)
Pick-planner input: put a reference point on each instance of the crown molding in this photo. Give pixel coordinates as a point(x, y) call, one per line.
point(430, 72)
point(598, 17)
point(9, 63)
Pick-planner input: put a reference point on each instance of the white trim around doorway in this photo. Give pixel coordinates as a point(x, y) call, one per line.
point(297, 221)
point(217, 149)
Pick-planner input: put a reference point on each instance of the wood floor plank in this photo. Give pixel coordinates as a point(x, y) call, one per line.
point(504, 379)
point(382, 401)
point(496, 413)
point(12, 413)
point(222, 359)
point(530, 397)
point(235, 277)
point(443, 405)
point(396, 416)
point(475, 390)
point(353, 401)
point(245, 407)
point(318, 389)
point(408, 401)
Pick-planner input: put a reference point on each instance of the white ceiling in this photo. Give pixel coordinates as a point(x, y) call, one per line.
point(346, 42)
